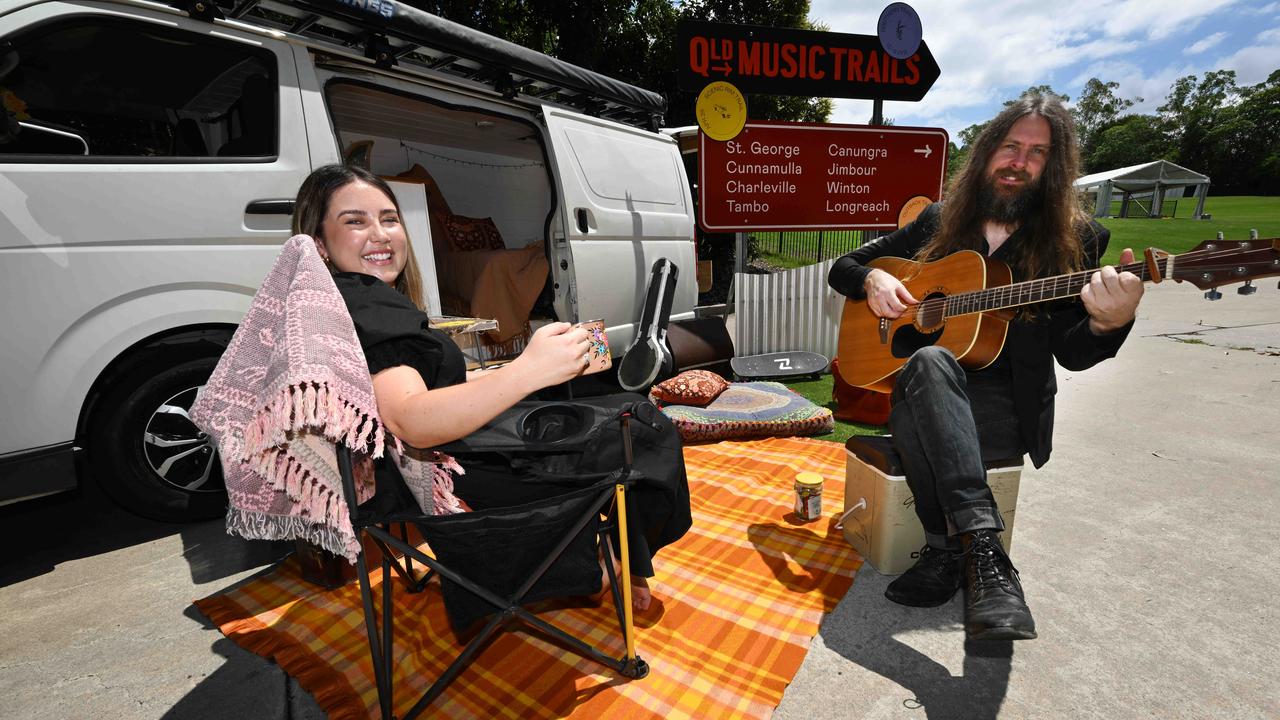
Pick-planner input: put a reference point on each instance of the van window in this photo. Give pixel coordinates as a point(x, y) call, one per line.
point(105, 87)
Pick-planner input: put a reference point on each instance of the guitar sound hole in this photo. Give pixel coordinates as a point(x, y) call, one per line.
point(931, 316)
point(908, 339)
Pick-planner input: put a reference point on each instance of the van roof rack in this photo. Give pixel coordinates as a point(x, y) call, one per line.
point(393, 33)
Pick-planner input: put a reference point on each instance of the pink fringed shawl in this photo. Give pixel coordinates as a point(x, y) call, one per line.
point(292, 383)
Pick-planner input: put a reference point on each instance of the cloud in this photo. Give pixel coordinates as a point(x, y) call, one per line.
point(1136, 82)
point(1202, 45)
point(1170, 17)
point(1254, 63)
point(992, 51)
point(1268, 9)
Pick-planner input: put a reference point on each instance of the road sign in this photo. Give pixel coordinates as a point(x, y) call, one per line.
point(801, 176)
point(786, 61)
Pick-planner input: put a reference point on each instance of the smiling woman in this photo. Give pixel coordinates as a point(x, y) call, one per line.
point(355, 220)
point(425, 397)
point(361, 232)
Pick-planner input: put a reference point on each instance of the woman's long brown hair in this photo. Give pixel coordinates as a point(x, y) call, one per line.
point(313, 203)
point(1055, 217)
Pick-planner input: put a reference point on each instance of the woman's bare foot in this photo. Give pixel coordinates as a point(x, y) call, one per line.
point(641, 597)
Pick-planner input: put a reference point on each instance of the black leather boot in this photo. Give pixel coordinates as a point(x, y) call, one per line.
point(994, 607)
point(930, 582)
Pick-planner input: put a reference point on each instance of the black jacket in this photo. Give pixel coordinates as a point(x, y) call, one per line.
point(1059, 330)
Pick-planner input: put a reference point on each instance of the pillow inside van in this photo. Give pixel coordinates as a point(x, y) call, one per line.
point(466, 234)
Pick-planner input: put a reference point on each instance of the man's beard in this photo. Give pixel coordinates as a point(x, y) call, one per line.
point(1007, 207)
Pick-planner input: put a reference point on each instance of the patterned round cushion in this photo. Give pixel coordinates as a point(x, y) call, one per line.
point(691, 387)
point(750, 410)
point(467, 234)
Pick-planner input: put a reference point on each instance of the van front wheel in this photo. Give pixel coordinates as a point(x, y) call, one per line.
point(148, 455)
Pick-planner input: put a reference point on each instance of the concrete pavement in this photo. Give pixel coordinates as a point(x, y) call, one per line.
point(1146, 546)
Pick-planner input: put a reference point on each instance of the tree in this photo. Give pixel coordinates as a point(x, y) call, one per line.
point(1245, 141)
point(1038, 90)
point(1097, 108)
point(1191, 111)
point(955, 158)
point(771, 13)
point(628, 40)
point(633, 40)
point(1131, 140)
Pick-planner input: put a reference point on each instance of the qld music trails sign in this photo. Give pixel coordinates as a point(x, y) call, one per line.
point(787, 61)
point(796, 176)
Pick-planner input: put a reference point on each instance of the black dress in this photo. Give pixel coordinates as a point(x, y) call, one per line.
point(393, 332)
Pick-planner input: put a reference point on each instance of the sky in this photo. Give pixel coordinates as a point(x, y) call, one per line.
point(990, 51)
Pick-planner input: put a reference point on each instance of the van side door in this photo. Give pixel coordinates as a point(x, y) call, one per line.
point(624, 203)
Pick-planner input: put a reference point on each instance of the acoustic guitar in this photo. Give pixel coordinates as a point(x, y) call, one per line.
point(967, 301)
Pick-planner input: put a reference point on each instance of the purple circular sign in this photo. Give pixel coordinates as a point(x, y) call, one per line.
point(899, 30)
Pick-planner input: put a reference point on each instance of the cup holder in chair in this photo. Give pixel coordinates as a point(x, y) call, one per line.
point(553, 423)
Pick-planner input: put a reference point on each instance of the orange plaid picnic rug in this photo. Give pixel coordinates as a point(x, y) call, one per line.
point(742, 594)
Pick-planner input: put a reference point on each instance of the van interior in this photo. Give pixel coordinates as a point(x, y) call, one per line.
point(477, 198)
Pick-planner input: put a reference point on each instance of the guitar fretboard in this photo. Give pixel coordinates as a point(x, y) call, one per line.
point(1034, 291)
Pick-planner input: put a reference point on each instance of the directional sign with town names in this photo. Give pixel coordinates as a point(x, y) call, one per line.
point(786, 61)
point(800, 176)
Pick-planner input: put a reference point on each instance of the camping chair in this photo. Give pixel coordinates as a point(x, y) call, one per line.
point(548, 547)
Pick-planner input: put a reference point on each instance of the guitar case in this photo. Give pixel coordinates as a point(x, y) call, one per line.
point(649, 356)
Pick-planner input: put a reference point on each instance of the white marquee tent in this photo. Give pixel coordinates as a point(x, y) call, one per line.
point(1154, 179)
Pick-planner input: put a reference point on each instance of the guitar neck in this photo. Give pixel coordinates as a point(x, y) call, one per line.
point(1035, 291)
point(1207, 265)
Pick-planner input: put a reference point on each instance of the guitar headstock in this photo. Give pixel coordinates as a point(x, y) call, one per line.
point(1214, 263)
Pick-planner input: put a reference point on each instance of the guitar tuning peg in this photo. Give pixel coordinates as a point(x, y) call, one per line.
point(1247, 288)
point(1213, 294)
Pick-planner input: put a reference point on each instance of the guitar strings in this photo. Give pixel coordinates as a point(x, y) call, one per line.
point(1026, 286)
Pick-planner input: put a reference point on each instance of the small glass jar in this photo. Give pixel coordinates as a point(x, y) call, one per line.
point(808, 496)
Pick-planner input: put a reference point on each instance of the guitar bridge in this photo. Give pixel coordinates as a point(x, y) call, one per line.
point(884, 331)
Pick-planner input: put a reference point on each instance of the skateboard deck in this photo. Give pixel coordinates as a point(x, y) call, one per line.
point(779, 365)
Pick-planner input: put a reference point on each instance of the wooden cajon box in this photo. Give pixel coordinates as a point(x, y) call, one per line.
point(879, 510)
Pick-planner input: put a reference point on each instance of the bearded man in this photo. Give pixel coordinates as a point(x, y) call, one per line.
point(1013, 201)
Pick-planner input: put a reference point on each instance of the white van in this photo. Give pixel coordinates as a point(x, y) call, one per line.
point(149, 158)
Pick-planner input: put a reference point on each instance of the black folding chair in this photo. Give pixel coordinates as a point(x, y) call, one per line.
point(547, 547)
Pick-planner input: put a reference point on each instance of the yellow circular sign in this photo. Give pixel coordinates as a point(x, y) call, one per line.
point(721, 111)
point(911, 209)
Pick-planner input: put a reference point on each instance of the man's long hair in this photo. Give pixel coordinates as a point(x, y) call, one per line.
point(1054, 215)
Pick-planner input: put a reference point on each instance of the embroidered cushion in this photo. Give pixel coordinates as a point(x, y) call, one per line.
point(466, 233)
point(750, 410)
point(691, 387)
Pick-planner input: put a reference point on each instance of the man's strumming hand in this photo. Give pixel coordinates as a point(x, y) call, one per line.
point(887, 297)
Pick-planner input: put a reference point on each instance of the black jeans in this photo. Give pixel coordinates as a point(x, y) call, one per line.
point(946, 422)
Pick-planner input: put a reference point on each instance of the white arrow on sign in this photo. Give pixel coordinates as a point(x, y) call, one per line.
point(925, 151)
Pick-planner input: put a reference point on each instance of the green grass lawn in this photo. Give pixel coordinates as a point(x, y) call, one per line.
point(819, 392)
point(1232, 216)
